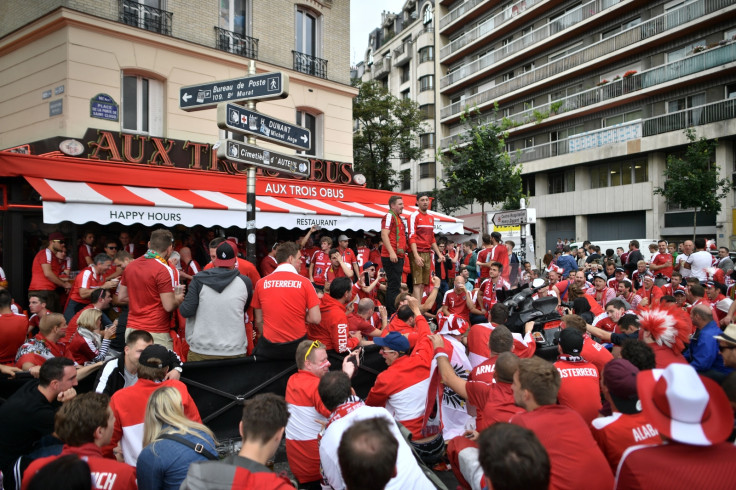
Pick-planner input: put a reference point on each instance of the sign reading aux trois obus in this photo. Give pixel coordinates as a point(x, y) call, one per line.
point(165, 152)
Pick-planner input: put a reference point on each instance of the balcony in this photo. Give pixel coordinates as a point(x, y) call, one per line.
point(311, 65)
point(696, 116)
point(232, 42)
point(381, 68)
point(696, 63)
point(598, 51)
point(402, 54)
point(142, 16)
point(482, 29)
point(542, 33)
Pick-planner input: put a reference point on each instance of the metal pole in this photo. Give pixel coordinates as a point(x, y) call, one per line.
point(250, 227)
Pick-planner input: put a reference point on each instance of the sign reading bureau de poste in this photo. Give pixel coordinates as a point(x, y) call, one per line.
point(241, 120)
point(239, 152)
point(264, 86)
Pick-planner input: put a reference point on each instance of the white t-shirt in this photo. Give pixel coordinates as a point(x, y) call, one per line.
point(700, 261)
point(408, 473)
point(681, 259)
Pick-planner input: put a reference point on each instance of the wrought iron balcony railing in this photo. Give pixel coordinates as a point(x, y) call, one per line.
point(151, 19)
point(236, 43)
point(311, 65)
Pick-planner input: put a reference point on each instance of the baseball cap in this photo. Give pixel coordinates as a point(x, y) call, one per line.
point(369, 264)
point(620, 269)
point(342, 238)
point(679, 291)
point(571, 341)
point(225, 254)
point(394, 341)
point(619, 376)
point(601, 275)
point(56, 235)
point(710, 284)
point(154, 356)
point(684, 406)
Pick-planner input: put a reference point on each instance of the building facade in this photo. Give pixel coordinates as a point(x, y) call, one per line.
point(401, 56)
point(59, 55)
point(595, 95)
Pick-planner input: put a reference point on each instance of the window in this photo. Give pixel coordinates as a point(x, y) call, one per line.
point(146, 14)
point(686, 50)
point(306, 32)
point(405, 180)
point(426, 54)
point(564, 52)
point(309, 121)
point(427, 15)
point(562, 181)
point(426, 83)
point(693, 116)
point(618, 173)
point(405, 95)
point(527, 67)
point(233, 14)
point(405, 73)
point(508, 76)
point(142, 105)
point(528, 184)
point(622, 27)
point(622, 118)
point(427, 111)
point(427, 170)
point(731, 91)
point(426, 141)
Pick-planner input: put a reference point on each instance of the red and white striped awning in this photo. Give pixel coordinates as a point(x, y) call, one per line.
point(82, 202)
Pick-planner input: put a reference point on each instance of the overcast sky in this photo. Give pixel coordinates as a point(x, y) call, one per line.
point(365, 15)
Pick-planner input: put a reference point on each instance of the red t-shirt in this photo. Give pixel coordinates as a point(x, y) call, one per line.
point(616, 433)
point(321, 262)
point(396, 234)
point(484, 371)
point(364, 255)
point(570, 447)
point(284, 297)
point(306, 256)
point(501, 254)
point(494, 402)
point(12, 335)
point(652, 295)
point(661, 259)
point(146, 279)
point(456, 304)
point(580, 388)
point(38, 279)
point(421, 230)
point(84, 251)
point(348, 256)
point(484, 256)
point(334, 272)
point(357, 323)
point(595, 353)
point(664, 356)
point(88, 279)
point(490, 297)
point(268, 265)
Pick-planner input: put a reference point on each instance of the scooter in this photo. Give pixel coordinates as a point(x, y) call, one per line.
point(523, 308)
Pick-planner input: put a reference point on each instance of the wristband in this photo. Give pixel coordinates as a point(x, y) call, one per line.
point(440, 350)
point(441, 354)
point(178, 368)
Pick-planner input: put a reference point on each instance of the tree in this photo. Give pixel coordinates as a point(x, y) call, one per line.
point(388, 128)
point(478, 167)
point(692, 180)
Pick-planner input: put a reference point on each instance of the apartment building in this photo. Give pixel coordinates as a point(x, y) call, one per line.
point(401, 56)
point(596, 95)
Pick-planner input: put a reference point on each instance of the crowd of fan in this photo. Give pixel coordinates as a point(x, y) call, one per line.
point(641, 394)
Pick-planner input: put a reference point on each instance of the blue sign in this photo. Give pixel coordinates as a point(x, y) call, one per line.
point(102, 106)
point(56, 107)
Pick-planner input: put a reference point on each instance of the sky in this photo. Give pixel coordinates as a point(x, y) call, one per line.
point(365, 15)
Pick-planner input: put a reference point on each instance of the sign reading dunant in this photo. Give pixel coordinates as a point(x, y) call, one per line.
point(241, 120)
point(102, 106)
point(252, 155)
point(264, 86)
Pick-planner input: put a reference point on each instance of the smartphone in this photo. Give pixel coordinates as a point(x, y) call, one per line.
point(376, 309)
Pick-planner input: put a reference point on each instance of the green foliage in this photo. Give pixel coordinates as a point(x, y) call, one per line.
point(479, 168)
point(554, 107)
point(540, 116)
point(388, 128)
point(692, 181)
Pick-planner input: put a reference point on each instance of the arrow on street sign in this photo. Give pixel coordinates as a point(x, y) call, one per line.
point(514, 218)
point(241, 120)
point(264, 86)
point(239, 152)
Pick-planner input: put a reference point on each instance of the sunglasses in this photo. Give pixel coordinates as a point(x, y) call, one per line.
point(315, 345)
point(58, 241)
point(112, 248)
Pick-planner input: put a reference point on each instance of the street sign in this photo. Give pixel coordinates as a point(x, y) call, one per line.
point(242, 120)
point(236, 151)
point(264, 86)
point(515, 218)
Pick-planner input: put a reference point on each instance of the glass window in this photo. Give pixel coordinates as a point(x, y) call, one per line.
point(142, 105)
point(427, 111)
point(309, 121)
point(405, 95)
point(426, 140)
point(306, 32)
point(233, 16)
point(641, 171)
point(686, 50)
point(405, 180)
point(405, 73)
point(427, 170)
point(731, 91)
point(561, 181)
point(427, 16)
point(426, 54)
point(426, 83)
point(626, 173)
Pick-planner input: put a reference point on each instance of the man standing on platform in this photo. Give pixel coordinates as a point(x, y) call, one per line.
point(422, 242)
point(151, 296)
point(393, 236)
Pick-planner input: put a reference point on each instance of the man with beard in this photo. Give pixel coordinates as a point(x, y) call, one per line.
point(44, 280)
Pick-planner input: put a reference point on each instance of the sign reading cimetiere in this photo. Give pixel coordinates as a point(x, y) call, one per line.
point(237, 151)
point(264, 86)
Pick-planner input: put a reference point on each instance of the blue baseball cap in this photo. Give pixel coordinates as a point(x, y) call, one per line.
point(394, 341)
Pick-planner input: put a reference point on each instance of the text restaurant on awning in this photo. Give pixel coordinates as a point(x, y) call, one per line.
point(107, 185)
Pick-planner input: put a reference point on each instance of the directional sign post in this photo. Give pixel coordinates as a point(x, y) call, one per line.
point(241, 120)
point(264, 86)
point(514, 218)
point(236, 151)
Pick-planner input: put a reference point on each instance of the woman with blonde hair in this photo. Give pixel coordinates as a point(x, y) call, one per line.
point(171, 442)
point(89, 344)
